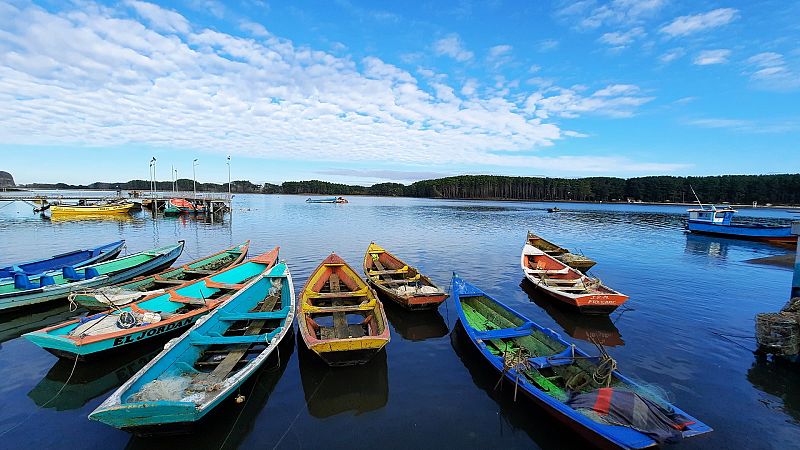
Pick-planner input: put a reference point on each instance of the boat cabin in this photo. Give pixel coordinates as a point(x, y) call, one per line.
point(717, 216)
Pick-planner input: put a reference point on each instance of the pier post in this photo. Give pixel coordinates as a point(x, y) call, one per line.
point(796, 279)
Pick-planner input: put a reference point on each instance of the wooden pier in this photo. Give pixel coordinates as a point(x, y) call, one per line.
point(213, 203)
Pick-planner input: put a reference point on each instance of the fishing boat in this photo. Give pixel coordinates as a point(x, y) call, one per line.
point(119, 295)
point(339, 316)
point(399, 282)
point(586, 393)
point(554, 209)
point(567, 285)
point(103, 208)
point(327, 200)
point(22, 291)
point(183, 206)
point(197, 371)
point(717, 221)
point(75, 258)
point(155, 316)
point(573, 260)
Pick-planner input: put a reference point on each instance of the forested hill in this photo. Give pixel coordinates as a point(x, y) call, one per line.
point(736, 189)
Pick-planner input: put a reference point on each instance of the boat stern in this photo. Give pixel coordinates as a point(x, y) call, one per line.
point(140, 416)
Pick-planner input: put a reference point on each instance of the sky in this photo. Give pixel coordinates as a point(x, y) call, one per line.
point(375, 91)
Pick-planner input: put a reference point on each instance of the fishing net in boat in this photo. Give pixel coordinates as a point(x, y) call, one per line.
point(793, 305)
point(115, 296)
point(166, 389)
point(778, 333)
point(108, 323)
point(410, 289)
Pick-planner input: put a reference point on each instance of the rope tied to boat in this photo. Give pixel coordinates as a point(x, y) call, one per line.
point(604, 371)
point(515, 360)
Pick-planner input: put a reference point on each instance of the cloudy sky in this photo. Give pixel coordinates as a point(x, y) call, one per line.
point(373, 91)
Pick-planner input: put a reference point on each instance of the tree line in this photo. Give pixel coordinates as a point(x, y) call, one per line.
point(739, 189)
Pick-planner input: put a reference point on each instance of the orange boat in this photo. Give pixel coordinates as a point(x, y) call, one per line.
point(340, 317)
point(401, 283)
point(567, 285)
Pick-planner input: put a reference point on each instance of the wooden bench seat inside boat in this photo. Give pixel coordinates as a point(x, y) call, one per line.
point(505, 333)
point(198, 272)
point(388, 271)
point(564, 358)
point(169, 282)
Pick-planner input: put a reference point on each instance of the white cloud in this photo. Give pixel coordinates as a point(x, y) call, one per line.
point(769, 70)
point(747, 126)
point(588, 15)
point(451, 46)
point(621, 40)
point(99, 79)
point(499, 55)
point(672, 55)
point(686, 25)
point(255, 29)
point(546, 45)
point(708, 57)
point(159, 18)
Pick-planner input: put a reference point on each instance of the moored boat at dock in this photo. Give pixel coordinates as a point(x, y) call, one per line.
point(97, 209)
point(567, 285)
point(23, 291)
point(197, 371)
point(104, 298)
point(586, 393)
point(339, 315)
point(400, 282)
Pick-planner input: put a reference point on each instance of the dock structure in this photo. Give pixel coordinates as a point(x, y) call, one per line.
point(214, 203)
point(796, 278)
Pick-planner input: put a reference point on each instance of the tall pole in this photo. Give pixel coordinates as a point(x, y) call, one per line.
point(194, 177)
point(153, 177)
point(176, 181)
point(796, 278)
point(172, 175)
point(155, 183)
point(229, 178)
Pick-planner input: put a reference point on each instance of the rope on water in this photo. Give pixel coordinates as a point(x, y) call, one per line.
point(300, 411)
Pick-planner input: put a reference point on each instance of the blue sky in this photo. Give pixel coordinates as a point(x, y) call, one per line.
point(366, 92)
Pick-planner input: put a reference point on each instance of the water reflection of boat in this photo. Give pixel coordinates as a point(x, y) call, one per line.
point(331, 391)
point(15, 324)
point(416, 325)
point(229, 423)
point(778, 377)
point(599, 329)
point(88, 380)
point(545, 431)
point(712, 246)
point(91, 217)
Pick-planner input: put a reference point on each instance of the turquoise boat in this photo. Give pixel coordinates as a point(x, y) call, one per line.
point(197, 371)
point(75, 258)
point(140, 287)
point(156, 316)
point(23, 291)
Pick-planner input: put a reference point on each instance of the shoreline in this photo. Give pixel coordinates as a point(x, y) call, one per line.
point(501, 199)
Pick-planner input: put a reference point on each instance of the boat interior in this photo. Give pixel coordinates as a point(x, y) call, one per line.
point(341, 297)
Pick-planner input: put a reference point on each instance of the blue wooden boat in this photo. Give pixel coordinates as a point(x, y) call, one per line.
point(718, 222)
point(197, 371)
point(156, 316)
point(22, 291)
point(552, 372)
point(76, 258)
point(327, 200)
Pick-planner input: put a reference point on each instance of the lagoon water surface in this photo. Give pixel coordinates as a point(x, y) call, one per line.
point(685, 329)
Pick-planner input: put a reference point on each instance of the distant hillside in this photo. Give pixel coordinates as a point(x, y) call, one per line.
point(6, 180)
point(737, 189)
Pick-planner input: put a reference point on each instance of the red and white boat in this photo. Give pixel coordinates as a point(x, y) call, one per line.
point(567, 285)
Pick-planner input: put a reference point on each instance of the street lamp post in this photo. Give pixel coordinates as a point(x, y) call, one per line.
point(194, 177)
point(176, 181)
point(229, 178)
point(153, 177)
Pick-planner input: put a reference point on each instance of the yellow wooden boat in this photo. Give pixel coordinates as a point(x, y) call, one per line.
point(110, 208)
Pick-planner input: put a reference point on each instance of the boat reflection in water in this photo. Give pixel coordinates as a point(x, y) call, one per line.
point(120, 218)
point(715, 247)
point(596, 329)
point(16, 323)
point(229, 424)
point(779, 378)
point(335, 390)
point(89, 380)
point(415, 325)
point(522, 414)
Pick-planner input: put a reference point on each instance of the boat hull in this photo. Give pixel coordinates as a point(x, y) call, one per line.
point(78, 258)
point(413, 303)
point(774, 234)
point(17, 300)
point(591, 304)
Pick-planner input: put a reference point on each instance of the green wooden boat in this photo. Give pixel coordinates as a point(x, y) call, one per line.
point(23, 291)
point(122, 294)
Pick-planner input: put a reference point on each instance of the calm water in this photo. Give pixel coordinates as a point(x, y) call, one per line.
point(429, 389)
